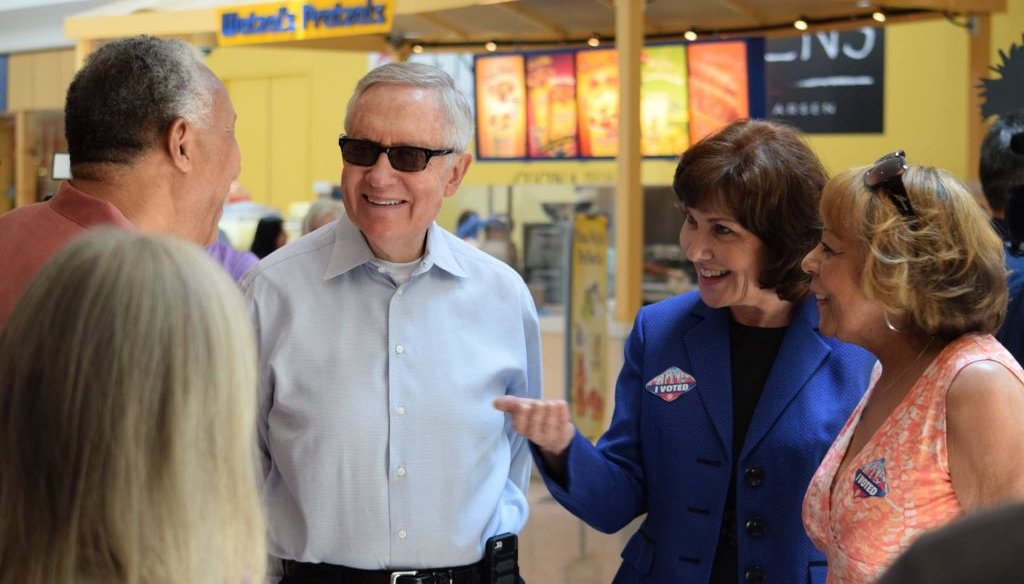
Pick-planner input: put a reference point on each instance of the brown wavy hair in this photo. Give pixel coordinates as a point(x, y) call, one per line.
point(764, 174)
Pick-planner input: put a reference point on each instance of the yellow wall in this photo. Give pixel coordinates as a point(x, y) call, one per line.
point(290, 104)
point(1007, 28)
point(925, 102)
point(36, 82)
point(39, 80)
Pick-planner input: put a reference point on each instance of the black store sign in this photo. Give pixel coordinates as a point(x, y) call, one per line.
point(828, 82)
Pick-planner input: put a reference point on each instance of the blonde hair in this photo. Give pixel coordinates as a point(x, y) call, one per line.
point(318, 210)
point(127, 420)
point(942, 273)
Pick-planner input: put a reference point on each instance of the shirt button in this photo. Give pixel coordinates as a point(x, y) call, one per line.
point(381, 269)
point(401, 471)
point(754, 575)
point(400, 410)
point(753, 476)
point(399, 349)
point(401, 291)
point(402, 534)
point(755, 527)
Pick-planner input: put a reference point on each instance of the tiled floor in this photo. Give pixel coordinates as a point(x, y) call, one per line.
point(557, 548)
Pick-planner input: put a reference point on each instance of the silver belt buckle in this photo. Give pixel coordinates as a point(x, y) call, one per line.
point(396, 575)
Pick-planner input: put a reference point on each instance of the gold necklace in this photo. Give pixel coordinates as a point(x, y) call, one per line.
point(879, 394)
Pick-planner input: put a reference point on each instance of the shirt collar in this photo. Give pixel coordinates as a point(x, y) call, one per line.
point(351, 250)
point(87, 210)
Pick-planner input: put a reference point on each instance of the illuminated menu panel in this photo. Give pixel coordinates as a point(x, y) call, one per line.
point(565, 104)
point(597, 95)
point(718, 86)
point(664, 118)
point(501, 107)
point(551, 106)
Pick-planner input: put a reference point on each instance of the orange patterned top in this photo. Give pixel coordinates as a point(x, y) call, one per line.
point(898, 486)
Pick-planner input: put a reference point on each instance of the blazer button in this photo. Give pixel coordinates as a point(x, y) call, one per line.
point(754, 575)
point(754, 476)
point(755, 527)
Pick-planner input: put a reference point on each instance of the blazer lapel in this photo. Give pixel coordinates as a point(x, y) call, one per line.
point(800, 355)
point(708, 347)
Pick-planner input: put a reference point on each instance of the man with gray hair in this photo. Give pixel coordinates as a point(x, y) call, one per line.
point(383, 342)
point(150, 132)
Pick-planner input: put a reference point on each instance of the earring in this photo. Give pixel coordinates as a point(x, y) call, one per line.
point(888, 324)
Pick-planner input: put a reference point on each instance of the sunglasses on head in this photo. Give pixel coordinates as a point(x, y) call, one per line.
point(403, 158)
point(886, 175)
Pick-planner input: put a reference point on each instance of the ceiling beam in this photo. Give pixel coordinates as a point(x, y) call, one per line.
point(744, 7)
point(532, 18)
point(421, 6)
point(957, 6)
point(444, 25)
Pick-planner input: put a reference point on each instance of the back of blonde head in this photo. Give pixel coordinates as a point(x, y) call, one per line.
point(942, 274)
point(127, 408)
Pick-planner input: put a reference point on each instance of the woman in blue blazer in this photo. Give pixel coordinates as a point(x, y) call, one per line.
point(728, 397)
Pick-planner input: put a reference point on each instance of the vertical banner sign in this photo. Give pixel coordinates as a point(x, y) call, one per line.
point(828, 82)
point(597, 93)
point(664, 117)
point(501, 107)
point(587, 336)
point(551, 105)
point(718, 86)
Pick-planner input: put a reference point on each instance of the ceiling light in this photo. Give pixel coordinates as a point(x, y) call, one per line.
point(878, 15)
point(690, 35)
point(491, 46)
point(593, 41)
point(800, 24)
point(417, 49)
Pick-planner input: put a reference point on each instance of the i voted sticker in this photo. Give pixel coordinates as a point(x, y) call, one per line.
point(671, 384)
point(869, 480)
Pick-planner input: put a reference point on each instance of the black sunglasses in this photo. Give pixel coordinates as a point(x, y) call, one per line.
point(403, 158)
point(886, 175)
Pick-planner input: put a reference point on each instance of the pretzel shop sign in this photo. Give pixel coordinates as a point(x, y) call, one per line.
point(289, 21)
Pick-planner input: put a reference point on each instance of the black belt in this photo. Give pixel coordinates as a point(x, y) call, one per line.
point(332, 574)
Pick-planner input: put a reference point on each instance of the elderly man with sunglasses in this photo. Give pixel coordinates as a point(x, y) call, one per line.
point(383, 340)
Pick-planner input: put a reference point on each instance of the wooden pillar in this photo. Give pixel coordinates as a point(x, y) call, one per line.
point(24, 163)
point(977, 69)
point(629, 204)
point(83, 48)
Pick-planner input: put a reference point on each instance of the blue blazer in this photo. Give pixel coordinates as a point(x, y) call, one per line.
point(672, 459)
point(1011, 333)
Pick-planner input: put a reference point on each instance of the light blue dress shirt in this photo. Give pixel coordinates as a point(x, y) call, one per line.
point(380, 447)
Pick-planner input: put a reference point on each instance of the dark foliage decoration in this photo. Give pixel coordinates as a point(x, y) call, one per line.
point(1005, 94)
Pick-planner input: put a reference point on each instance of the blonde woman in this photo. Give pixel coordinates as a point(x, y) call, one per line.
point(127, 409)
point(909, 268)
